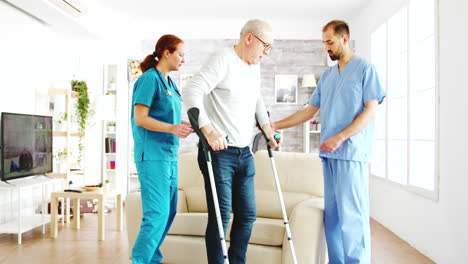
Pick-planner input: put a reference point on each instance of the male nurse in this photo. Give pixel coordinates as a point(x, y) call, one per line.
point(347, 95)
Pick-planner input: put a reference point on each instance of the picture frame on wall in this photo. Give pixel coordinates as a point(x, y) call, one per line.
point(133, 69)
point(286, 89)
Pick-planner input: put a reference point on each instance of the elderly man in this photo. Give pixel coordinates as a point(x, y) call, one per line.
point(227, 93)
point(347, 95)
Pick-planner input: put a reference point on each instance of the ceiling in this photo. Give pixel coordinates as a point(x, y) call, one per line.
point(226, 9)
point(291, 19)
point(146, 19)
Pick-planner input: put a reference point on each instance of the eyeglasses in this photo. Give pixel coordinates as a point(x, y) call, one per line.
point(266, 46)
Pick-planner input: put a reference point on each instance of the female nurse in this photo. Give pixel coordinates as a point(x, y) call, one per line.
point(157, 127)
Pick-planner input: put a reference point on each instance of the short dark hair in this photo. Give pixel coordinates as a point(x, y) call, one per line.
point(339, 27)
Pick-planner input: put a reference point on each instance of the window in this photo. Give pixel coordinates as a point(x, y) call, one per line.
point(403, 50)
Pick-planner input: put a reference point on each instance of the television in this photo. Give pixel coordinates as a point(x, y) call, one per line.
point(26, 145)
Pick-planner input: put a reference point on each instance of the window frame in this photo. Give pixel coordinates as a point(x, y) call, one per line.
point(429, 194)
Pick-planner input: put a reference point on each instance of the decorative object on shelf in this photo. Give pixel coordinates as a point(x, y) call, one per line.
point(111, 127)
point(315, 125)
point(59, 159)
point(92, 188)
point(110, 78)
point(105, 185)
point(59, 121)
point(112, 85)
point(308, 81)
point(82, 111)
point(112, 164)
point(286, 89)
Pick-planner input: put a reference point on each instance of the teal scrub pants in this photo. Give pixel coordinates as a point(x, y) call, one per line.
point(346, 217)
point(158, 181)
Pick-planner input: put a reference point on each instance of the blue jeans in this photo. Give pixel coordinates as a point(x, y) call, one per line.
point(234, 172)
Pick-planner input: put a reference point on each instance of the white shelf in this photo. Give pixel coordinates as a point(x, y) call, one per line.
point(28, 181)
point(110, 153)
point(307, 133)
point(27, 223)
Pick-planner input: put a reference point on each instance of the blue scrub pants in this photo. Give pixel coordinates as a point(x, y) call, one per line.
point(346, 216)
point(158, 181)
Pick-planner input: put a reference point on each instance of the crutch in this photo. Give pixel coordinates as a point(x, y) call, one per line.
point(193, 114)
point(280, 193)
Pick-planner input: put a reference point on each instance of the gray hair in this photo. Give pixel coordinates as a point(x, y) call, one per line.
point(254, 26)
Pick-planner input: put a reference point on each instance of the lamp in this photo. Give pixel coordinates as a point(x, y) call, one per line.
point(308, 80)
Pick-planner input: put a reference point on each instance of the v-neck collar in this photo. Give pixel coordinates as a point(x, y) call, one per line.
point(165, 80)
point(345, 69)
point(168, 83)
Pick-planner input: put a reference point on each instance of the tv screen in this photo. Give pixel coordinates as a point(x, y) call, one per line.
point(26, 145)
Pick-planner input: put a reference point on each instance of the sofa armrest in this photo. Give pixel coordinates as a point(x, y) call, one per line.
point(306, 223)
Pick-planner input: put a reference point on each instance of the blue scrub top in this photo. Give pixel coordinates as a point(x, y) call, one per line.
point(163, 99)
point(341, 97)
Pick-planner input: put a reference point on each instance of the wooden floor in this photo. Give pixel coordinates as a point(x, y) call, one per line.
point(81, 246)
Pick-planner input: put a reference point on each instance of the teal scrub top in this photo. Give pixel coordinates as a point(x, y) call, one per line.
point(153, 90)
point(341, 97)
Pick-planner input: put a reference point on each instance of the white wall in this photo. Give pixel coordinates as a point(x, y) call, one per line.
point(436, 228)
point(34, 59)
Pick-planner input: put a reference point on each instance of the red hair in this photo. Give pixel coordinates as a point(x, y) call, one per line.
point(166, 42)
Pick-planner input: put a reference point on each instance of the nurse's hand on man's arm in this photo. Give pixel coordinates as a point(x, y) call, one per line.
point(181, 130)
point(186, 123)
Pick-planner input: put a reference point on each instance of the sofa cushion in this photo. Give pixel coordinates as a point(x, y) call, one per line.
point(268, 203)
point(191, 249)
point(196, 199)
point(189, 172)
point(297, 172)
point(266, 231)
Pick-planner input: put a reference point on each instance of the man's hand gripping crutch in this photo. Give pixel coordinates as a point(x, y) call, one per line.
point(193, 114)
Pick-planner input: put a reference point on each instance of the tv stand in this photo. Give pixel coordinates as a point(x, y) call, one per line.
point(19, 223)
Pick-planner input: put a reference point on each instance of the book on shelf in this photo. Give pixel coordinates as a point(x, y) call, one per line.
point(110, 144)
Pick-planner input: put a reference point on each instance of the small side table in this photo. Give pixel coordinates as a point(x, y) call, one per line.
point(100, 195)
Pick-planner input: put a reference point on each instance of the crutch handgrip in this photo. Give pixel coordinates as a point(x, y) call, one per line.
point(277, 137)
point(193, 114)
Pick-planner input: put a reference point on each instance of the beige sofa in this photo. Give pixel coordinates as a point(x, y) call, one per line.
point(302, 183)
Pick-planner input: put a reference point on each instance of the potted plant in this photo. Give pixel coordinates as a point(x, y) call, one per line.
point(82, 111)
point(105, 185)
point(111, 126)
point(112, 85)
point(61, 119)
point(59, 158)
